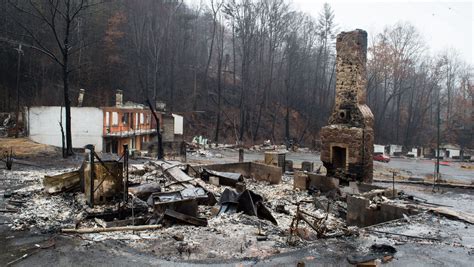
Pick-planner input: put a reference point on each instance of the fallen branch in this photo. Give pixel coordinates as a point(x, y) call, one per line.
point(111, 229)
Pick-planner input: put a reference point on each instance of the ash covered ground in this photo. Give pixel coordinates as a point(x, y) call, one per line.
point(34, 230)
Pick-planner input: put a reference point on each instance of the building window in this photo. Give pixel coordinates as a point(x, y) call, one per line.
point(125, 118)
point(107, 118)
point(136, 120)
point(142, 118)
point(114, 118)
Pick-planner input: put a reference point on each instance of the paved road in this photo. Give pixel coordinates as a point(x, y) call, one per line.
point(414, 167)
point(423, 167)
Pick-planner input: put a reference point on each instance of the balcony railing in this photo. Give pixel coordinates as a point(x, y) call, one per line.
point(125, 131)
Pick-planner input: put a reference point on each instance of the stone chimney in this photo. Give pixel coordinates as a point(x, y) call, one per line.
point(347, 142)
point(160, 105)
point(80, 98)
point(119, 98)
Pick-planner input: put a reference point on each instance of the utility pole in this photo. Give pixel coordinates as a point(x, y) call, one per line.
point(436, 178)
point(17, 128)
point(125, 166)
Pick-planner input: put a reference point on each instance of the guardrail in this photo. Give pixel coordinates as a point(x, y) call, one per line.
point(124, 131)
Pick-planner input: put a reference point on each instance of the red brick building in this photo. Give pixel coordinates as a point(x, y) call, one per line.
point(128, 123)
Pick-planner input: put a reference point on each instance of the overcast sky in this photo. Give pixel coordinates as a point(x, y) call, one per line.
point(443, 24)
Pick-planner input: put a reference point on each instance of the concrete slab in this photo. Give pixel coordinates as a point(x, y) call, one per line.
point(322, 182)
point(360, 214)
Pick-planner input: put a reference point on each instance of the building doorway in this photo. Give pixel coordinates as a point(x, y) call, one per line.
point(111, 146)
point(339, 157)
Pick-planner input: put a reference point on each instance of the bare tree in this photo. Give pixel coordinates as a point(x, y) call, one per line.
point(59, 17)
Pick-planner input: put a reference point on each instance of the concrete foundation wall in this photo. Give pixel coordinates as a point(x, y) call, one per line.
point(259, 171)
point(240, 167)
point(359, 213)
point(86, 126)
point(322, 182)
point(263, 172)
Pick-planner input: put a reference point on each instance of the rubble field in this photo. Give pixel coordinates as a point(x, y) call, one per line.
point(229, 236)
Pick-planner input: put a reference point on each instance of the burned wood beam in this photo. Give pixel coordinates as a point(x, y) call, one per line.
point(186, 218)
point(127, 222)
point(111, 229)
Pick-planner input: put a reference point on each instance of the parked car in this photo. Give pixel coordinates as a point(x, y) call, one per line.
point(381, 157)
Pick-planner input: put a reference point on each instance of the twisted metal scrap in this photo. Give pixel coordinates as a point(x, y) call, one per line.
point(318, 225)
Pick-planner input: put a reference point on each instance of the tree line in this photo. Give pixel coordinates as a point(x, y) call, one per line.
point(239, 70)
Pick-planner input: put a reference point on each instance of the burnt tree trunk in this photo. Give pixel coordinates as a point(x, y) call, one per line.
point(65, 68)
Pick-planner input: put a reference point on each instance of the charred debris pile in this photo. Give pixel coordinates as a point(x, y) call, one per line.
point(118, 196)
point(232, 210)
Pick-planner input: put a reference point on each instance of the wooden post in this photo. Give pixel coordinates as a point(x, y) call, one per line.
point(91, 159)
point(241, 155)
point(393, 185)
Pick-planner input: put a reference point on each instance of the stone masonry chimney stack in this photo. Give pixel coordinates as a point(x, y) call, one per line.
point(347, 141)
point(119, 98)
point(160, 105)
point(351, 78)
point(80, 98)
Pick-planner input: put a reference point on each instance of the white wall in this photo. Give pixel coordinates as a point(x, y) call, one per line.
point(454, 152)
point(441, 153)
point(379, 149)
point(178, 124)
point(86, 126)
point(394, 149)
point(413, 152)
